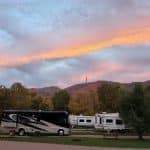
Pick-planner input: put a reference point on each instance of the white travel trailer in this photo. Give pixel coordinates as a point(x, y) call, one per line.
point(109, 122)
point(82, 121)
point(73, 120)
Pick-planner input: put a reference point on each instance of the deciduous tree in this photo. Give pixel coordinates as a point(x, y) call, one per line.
point(134, 109)
point(108, 95)
point(84, 103)
point(61, 100)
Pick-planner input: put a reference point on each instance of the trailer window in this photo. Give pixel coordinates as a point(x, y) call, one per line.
point(81, 120)
point(88, 121)
point(109, 121)
point(119, 122)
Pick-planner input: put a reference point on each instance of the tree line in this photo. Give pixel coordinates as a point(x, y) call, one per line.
point(132, 104)
point(19, 97)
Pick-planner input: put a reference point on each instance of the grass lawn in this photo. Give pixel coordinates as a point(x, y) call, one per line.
point(98, 142)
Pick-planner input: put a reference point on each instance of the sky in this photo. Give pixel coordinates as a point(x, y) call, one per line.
point(63, 42)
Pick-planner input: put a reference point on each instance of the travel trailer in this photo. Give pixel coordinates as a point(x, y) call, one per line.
point(101, 121)
point(36, 122)
point(81, 121)
point(109, 122)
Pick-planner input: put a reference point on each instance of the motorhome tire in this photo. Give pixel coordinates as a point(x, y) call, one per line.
point(60, 132)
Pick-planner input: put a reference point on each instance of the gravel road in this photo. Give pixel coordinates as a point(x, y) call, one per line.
point(7, 145)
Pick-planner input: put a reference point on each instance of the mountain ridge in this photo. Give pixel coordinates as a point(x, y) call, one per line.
point(82, 87)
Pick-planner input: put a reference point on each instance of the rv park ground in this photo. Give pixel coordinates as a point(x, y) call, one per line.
point(5, 145)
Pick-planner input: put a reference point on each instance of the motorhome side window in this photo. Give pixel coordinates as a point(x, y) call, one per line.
point(109, 121)
point(119, 122)
point(63, 121)
point(4, 115)
point(81, 120)
point(22, 119)
point(8, 116)
point(13, 117)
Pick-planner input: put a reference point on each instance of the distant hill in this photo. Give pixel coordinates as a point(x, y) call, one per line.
point(86, 86)
point(45, 91)
point(49, 91)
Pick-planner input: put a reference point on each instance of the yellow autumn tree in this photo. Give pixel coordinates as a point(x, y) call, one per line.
point(84, 103)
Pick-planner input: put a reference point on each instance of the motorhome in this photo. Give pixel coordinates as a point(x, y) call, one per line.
point(28, 121)
point(109, 122)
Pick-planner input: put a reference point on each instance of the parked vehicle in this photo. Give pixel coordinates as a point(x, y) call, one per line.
point(109, 122)
point(82, 121)
point(101, 121)
point(36, 122)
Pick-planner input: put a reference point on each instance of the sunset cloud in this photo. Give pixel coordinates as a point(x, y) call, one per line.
point(135, 37)
point(39, 38)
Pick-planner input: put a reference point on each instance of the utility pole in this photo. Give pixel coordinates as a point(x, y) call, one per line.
point(86, 80)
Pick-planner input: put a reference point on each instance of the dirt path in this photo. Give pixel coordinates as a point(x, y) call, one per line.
point(7, 145)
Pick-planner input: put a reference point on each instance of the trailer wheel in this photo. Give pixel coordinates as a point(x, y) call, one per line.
point(21, 132)
point(60, 132)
